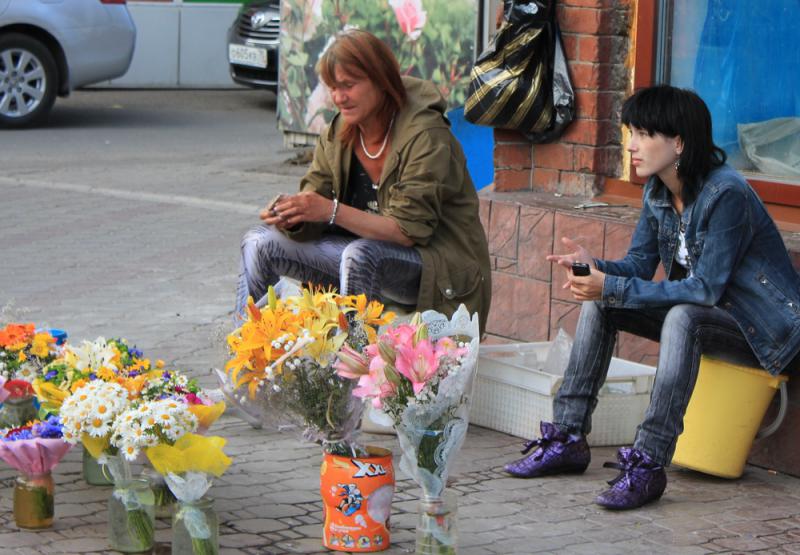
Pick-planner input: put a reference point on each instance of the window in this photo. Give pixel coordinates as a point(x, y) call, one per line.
point(743, 59)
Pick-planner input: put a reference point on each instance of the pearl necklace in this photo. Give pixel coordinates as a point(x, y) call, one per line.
point(383, 146)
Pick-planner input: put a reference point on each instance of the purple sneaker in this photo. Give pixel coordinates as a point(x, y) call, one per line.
point(640, 481)
point(557, 453)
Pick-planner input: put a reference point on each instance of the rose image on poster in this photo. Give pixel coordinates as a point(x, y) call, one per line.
point(312, 18)
point(319, 105)
point(410, 16)
point(432, 39)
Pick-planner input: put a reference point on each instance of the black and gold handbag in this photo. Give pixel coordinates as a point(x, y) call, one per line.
point(521, 81)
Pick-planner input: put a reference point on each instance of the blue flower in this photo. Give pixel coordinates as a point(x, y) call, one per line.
point(49, 428)
point(21, 434)
point(92, 376)
point(50, 375)
point(166, 375)
point(134, 352)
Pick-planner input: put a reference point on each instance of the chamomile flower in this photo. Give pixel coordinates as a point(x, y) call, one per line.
point(150, 424)
point(92, 409)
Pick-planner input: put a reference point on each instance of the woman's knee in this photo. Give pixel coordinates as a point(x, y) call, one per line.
point(257, 237)
point(592, 311)
point(681, 317)
point(359, 253)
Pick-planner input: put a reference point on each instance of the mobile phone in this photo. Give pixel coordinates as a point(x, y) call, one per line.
point(274, 201)
point(581, 269)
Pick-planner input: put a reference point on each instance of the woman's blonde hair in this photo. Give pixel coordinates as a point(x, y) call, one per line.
point(362, 55)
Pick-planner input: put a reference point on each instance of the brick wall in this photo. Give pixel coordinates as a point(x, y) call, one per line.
point(528, 303)
point(596, 44)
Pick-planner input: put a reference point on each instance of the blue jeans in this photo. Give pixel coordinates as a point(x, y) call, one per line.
point(684, 331)
point(379, 269)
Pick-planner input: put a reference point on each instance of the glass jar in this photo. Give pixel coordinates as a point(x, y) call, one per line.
point(164, 499)
point(131, 516)
point(17, 412)
point(437, 531)
point(195, 528)
point(94, 473)
point(34, 505)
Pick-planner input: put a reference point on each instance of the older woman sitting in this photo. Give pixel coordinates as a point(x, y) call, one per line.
point(387, 207)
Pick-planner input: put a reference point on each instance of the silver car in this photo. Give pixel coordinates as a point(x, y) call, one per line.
point(50, 47)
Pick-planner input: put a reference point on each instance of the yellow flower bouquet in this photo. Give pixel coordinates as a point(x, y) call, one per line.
point(284, 353)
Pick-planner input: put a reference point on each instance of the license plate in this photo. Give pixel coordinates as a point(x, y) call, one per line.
point(247, 55)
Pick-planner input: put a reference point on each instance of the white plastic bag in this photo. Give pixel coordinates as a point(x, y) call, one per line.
point(773, 146)
point(558, 354)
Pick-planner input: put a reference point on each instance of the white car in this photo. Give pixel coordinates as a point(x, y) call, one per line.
point(50, 47)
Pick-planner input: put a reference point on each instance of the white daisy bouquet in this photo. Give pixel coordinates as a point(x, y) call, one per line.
point(88, 415)
point(151, 423)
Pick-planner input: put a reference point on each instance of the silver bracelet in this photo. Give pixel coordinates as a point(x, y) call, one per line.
point(335, 209)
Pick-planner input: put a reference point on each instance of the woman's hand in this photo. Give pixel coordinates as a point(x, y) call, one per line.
point(292, 210)
point(583, 288)
point(586, 288)
point(578, 254)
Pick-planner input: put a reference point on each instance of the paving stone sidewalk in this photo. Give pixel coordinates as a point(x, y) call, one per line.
point(139, 240)
point(268, 503)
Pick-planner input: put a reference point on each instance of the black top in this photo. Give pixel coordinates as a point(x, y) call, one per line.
point(360, 193)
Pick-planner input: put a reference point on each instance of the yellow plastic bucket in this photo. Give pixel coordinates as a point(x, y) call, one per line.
point(723, 417)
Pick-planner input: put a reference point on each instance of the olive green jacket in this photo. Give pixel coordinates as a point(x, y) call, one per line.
point(426, 188)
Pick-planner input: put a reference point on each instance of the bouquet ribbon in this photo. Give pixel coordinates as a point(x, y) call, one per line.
point(189, 489)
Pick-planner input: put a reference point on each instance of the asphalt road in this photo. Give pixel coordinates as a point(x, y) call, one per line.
point(122, 216)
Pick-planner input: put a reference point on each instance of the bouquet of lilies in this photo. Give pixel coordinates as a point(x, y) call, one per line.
point(420, 375)
point(284, 355)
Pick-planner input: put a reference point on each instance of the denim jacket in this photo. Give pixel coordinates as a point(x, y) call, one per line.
point(737, 262)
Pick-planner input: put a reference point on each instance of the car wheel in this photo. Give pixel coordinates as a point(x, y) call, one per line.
point(28, 80)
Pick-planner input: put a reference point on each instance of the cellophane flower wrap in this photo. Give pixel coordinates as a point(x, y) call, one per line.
point(284, 355)
point(421, 375)
point(187, 467)
point(35, 449)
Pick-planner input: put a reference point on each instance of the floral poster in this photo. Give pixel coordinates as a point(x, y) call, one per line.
point(432, 39)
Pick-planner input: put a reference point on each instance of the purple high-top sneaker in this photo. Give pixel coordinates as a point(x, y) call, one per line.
point(557, 453)
point(640, 481)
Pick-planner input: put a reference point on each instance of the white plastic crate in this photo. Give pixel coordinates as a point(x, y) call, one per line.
point(513, 394)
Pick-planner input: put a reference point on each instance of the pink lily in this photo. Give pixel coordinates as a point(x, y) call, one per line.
point(401, 335)
point(375, 384)
point(351, 364)
point(418, 363)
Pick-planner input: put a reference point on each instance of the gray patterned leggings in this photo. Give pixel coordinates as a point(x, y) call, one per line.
point(378, 269)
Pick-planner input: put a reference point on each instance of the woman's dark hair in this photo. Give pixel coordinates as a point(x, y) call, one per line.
point(362, 54)
point(675, 112)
